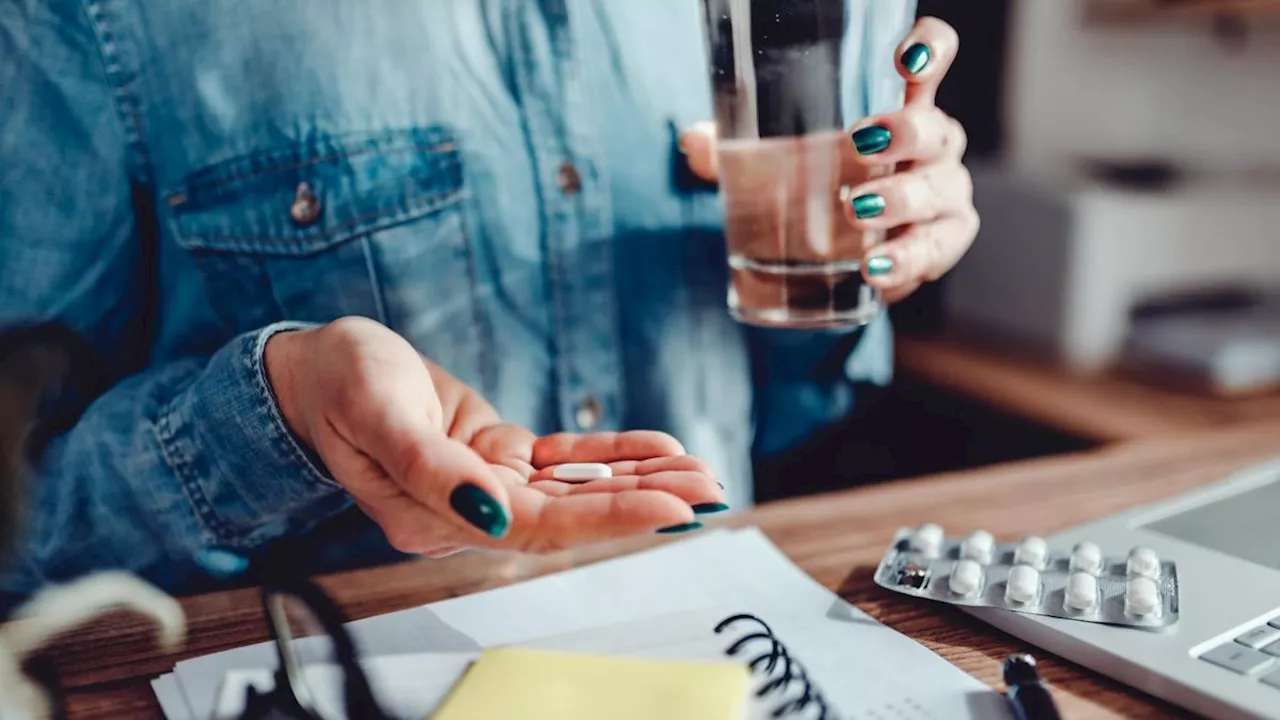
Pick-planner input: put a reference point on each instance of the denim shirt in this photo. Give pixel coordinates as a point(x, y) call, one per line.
point(496, 180)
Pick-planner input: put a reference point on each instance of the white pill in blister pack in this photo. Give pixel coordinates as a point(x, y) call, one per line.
point(582, 471)
point(927, 539)
point(1141, 596)
point(966, 576)
point(1132, 588)
point(1032, 551)
point(1143, 562)
point(978, 546)
point(1023, 585)
point(1086, 557)
point(1082, 591)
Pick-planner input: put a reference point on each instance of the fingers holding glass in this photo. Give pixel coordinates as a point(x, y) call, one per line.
point(921, 195)
point(923, 253)
point(916, 134)
point(925, 56)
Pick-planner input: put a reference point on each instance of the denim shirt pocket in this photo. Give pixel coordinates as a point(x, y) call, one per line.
point(356, 224)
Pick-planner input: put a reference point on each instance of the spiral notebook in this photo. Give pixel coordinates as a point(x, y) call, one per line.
point(672, 603)
point(779, 683)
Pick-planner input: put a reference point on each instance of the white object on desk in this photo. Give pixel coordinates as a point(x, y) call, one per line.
point(978, 546)
point(966, 576)
point(1032, 552)
point(1087, 557)
point(860, 664)
point(1082, 591)
point(1144, 562)
point(927, 539)
point(1060, 263)
point(1222, 658)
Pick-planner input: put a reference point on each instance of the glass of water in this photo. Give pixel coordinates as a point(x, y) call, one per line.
point(789, 78)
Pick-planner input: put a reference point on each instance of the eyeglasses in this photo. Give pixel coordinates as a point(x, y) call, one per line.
point(311, 643)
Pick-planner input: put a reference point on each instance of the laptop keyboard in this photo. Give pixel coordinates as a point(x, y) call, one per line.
point(1254, 651)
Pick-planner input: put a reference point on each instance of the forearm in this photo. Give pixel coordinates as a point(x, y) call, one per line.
point(170, 462)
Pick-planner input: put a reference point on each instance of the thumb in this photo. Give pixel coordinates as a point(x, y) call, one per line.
point(698, 143)
point(429, 467)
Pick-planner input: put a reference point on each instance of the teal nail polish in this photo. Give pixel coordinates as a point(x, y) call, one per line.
point(879, 265)
point(480, 509)
point(868, 206)
point(686, 527)
point(915, 58)
point(709, 508)
point(872, 140)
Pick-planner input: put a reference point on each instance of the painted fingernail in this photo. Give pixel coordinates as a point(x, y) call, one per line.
point(868, 206)
point(685, 527)
point(480, 509)
point(709, 508)
point(872, 140)
point(879, 265)
point(915, 58)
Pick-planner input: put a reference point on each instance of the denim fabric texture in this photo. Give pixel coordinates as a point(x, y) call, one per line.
point(499, 181)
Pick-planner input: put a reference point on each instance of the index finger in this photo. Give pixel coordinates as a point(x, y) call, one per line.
point(603, 447)
point(925, 56)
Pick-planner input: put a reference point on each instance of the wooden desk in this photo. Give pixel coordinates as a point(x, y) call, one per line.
point(1106, 408)
point(836, 538)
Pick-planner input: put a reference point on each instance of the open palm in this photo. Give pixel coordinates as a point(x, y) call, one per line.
point(655, 485)
point(438, 470)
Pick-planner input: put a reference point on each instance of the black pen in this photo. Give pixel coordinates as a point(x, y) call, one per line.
point(1026, 692)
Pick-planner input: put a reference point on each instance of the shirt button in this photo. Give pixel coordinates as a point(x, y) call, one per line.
point(305, 209)
point(588, 414)
point(570, 180)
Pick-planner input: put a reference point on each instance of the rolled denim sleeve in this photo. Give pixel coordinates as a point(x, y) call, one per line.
point(175, 457)
point(224, 441)
point(168, 463)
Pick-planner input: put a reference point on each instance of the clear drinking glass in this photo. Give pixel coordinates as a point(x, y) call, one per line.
point(789, 78)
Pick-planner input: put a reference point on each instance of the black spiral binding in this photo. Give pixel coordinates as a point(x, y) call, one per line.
point(775, 657)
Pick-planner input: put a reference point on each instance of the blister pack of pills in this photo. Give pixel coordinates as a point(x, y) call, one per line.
point(1138, 590)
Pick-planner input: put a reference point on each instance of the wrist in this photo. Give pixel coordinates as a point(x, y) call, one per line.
point(282, 358)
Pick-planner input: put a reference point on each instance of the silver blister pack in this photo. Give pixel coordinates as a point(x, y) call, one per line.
point(1079, 583)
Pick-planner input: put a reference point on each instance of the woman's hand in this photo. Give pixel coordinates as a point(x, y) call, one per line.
point(431, 462)
point(927, 206)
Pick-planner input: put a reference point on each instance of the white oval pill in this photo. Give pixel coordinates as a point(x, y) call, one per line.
point(1031, 551)
point(1086, 557)
point(1143, 562)
point(1141, 597)
point(927, 539)
point(582, 471)
point(978, 546)
point(1082, 591)
point(966, 576)
point(1023, 584)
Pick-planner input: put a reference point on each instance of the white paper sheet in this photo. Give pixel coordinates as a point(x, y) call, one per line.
point(672, 577)
point(863, 667)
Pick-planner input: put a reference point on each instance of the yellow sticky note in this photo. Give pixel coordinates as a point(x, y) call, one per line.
point(524, 684)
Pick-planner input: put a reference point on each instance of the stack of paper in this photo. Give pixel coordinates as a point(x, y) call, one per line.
point(662, 604)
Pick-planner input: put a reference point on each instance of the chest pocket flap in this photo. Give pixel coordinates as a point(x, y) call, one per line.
point(319, 193)
point(373, 225)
